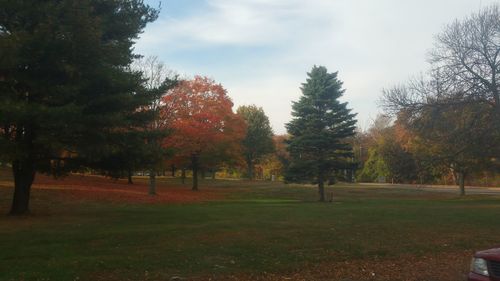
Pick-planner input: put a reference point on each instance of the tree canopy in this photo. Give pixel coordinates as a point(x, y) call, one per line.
point(258, 140)
point(453, 110)
point(67, 91)
point(466, 57)
point(202, 121)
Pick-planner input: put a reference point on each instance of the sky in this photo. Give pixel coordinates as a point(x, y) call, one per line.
point(261, 50)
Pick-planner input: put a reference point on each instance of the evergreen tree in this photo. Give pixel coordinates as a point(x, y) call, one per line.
point(259, 137)
point(67, 91)
point(319, 131)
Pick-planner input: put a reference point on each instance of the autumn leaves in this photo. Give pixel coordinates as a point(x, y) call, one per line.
point(204, 127)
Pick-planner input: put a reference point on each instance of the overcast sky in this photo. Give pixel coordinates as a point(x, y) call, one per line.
point(261, 50)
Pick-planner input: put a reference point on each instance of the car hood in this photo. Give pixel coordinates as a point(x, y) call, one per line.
point(490, 254)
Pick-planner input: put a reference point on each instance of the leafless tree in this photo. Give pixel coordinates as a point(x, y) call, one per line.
point(158, 80)
point(466, 56)
point(465, 67)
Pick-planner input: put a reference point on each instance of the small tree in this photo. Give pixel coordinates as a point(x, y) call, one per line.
point(375, 167)
point(319, 131)
point(388, 154)
point(157, 81)
point(140, 145)
point(259, 137)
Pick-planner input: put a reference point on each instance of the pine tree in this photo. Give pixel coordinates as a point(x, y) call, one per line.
point(66, 88)
point(319, 131)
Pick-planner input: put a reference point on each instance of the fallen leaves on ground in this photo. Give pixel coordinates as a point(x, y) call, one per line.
point(85, 187)
point(450, 266)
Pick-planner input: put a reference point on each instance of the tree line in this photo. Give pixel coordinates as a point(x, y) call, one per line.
point(75, 97)
point(442, 126)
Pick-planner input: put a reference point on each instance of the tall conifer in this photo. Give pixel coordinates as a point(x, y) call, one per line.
point(67, 93)
point(319, 131)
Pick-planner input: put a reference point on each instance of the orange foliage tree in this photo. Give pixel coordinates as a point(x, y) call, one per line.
point(202, 121)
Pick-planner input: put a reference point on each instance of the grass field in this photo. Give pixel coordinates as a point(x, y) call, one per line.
point(90, 228)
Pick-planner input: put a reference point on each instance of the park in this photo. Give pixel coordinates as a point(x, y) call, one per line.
point(241, 230)
point(242, 140)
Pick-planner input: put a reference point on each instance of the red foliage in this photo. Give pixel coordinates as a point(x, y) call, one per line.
point(98, 188)
point(202, 118)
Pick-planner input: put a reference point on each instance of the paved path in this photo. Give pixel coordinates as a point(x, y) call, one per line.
point(438, 188)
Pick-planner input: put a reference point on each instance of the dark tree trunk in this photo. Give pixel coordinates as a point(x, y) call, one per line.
point(129, 176)
point(152, 182)
point(250, 171)
point(461, 183)
point(455, 176)
point(24, 175)
point(23, 170)
point(321, 187)
point(183, 175)
point(173, 170)
point(496, 97)
point(203, 174)
point(213, 174)
point(194, 163)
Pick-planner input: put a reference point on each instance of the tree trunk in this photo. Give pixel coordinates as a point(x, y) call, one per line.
point(183, 175)
point(250, 171)
point(461, 183)
point(194, 163)
point(321, 187)
point(496, 96)
point(213, 174)
point(129, 176)
point(173, 171)
point(24, 175)
point(455, 176)
point(152, 182)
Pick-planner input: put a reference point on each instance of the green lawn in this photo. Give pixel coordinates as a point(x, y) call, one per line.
point(260, 227)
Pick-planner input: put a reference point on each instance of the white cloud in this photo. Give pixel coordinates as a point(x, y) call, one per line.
point(373, 44)
point(243, 22)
